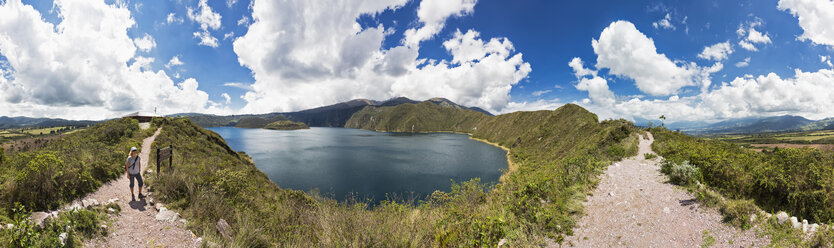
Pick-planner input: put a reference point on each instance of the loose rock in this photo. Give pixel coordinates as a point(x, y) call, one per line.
point(223, 228)
point(38, 218)
point(63, 238)
point(166, 215)
point(813, 228)
point(781, 217)
point(795, 222)
point(804, 226)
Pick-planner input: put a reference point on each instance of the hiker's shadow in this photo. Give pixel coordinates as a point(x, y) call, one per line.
point(138, 205)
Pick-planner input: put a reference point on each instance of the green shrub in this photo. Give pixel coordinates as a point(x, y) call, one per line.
point(77, 224)
point(681, 174)
point(797, 181)
point(649, 156)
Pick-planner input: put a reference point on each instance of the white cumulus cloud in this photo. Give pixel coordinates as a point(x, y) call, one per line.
point(717, 52)
point(806, 94)
point(175, 61)
point(172, 18)
point(93, 70)
point(665, 23)
point(145, 43)
point(227, 97)
point(539, 93)
point(816, 17)
point(743, 63)
point(208, 19)
point(433, 14)
point(327, 57)
point(629, 53)
point(749, 36)
point(206, 39)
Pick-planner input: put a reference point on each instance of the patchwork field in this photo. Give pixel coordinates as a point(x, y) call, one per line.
point(818, 139)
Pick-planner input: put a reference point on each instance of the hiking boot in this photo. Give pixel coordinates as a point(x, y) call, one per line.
point(141, 195)
point(132, 198)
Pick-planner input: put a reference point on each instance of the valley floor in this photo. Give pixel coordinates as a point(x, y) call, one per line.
point(634, 206)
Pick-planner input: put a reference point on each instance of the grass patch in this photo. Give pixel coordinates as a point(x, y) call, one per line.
point(707, 239)
point(649, 156)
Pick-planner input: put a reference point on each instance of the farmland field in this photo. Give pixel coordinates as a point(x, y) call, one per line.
point(795, 139)
point(42, 131)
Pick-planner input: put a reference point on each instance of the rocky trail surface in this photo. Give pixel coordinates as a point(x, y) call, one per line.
point(140, 224)
point(634, 206)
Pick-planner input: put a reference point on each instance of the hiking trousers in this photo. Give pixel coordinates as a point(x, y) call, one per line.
point(138, 179)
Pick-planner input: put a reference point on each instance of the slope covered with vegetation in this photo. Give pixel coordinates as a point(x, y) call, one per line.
point(410, 117)
point(258, 122)
point(46, 177)
point(798, 181)
point(286, 125)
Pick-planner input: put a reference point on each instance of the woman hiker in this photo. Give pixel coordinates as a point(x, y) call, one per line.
point(133, 167)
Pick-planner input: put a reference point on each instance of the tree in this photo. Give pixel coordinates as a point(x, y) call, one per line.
point(662, 118)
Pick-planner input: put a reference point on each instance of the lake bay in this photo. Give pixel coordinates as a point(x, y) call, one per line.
point(342, 162)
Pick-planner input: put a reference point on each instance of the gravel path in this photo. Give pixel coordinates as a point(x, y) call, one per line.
point(633, 206)
point(136, 225)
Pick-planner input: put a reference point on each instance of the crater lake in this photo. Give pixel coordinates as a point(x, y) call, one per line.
point(361, 165)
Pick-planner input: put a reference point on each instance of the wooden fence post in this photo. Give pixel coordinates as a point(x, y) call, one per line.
point(162, 154)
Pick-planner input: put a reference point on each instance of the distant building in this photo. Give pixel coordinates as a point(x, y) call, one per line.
point(142, 117)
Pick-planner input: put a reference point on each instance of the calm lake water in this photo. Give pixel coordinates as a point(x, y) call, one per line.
point(342, 162)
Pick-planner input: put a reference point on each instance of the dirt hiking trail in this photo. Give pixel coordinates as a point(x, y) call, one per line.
point(136, 224)
point(634, 206)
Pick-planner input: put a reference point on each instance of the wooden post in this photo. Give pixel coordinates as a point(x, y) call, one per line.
point(162, 154)
point(171, 156)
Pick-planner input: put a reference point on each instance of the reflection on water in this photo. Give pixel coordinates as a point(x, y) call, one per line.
point(341, 161)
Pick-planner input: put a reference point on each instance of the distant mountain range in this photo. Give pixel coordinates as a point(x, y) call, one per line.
point(749, 125)
point(20, 122)
point(335, 115)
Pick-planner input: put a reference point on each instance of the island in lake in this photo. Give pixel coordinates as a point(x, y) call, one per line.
point(286, 125)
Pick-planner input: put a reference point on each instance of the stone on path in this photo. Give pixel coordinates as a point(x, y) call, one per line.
point(167, 215)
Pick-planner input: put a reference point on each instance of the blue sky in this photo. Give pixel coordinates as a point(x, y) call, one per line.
point(503, 56)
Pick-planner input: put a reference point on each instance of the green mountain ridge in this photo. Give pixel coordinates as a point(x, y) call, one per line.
point(335, 115)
